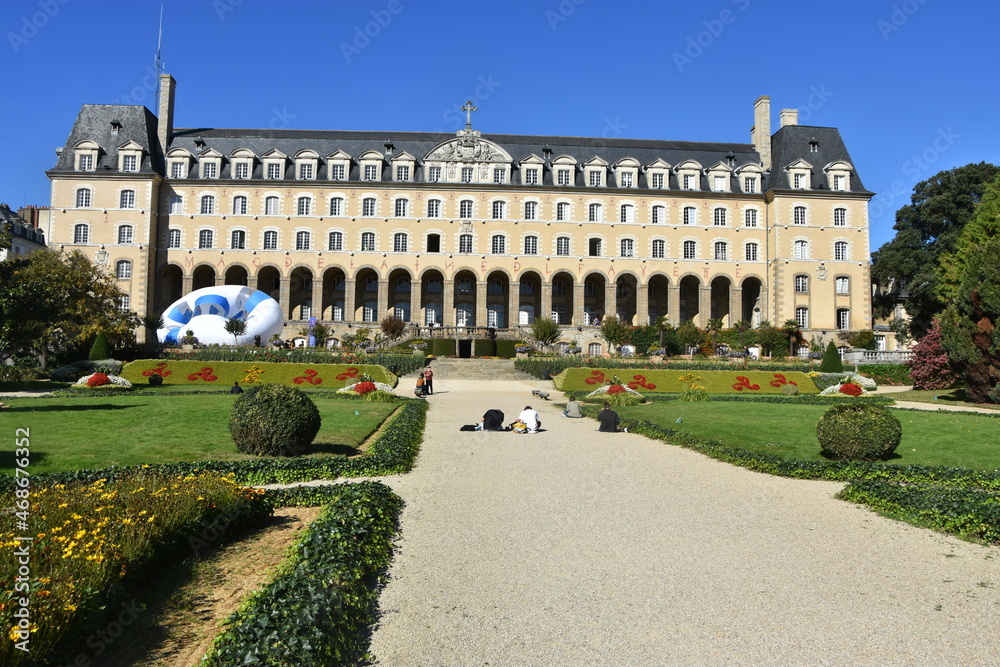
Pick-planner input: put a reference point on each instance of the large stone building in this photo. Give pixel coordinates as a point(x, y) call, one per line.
point(23, 230)
point(463, 233)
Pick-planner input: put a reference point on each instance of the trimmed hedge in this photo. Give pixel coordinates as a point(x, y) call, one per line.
point(715, 382)
point(317, 609)
point(537, 366)
point(969, 513)
point(893, 374)
point(858, 432)
point(225, 373)
point(392, 453)
point(484, 347)
point(443, 347)
point(505, 349)
point(405, 362)
point(273, 420)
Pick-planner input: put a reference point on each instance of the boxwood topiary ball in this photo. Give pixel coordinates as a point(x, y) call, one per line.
point(273, 420)
point(858, 432)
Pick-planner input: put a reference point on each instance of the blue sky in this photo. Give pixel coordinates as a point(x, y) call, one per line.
point(907, 82)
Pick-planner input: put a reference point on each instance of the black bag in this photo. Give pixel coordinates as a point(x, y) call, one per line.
point(468, 427)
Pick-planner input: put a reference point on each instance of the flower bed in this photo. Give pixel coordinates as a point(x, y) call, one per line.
point(671, 381)
point(99, 380)
point(223, 374)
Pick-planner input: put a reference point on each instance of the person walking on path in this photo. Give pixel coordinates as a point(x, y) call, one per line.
point(608, 419)
point(429, 380)
point(572, 409)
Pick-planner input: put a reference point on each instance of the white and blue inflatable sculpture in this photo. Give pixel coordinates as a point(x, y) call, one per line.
point(206, 310)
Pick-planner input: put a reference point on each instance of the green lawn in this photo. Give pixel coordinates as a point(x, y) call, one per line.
point(941, 397)
point(929, 438)
point(73, 433)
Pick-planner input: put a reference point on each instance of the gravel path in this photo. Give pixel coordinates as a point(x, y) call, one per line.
point(571, 547)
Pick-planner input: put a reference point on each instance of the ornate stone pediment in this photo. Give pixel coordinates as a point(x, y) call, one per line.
point(468, 146)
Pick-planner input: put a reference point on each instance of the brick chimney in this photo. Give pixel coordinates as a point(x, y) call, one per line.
point(165, 115)
point(789, 117)
point(760, 133)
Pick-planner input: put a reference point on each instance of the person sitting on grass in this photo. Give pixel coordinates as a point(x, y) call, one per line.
point(608, 419)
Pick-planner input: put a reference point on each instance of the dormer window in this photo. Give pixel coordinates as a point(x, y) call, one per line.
point(275, 171)
point(306, 165)
point(750, 184)
point(800, 181)
point(274, 164)
point(565, 176)
point(719, 183)
point(838, 176)
point(433, 174)
point(371, 172)
point(626, 172)
point(178, 160)
point(689, 181)
point(403, 166)
point(499, 175)
point(403, 173)
point(531, 176)
point(338, 165)
point(130, 163)
point(209, 170)
point(85, 162)
point(306, 172)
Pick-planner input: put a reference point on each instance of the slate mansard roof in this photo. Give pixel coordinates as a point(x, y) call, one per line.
point(138, 124)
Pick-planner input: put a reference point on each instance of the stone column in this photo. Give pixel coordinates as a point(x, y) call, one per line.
point(415, 314)
point(317, 302)
point(735, 305)
point(641, 305)
point(704, 305)
point(285, 297)
point(513, 302)
point(187, 283)
point(382, 301)
point(350, 309)
point(546, 306)
point(578, 300)
point(674, 305)
point(480, 312)
point(448, 303)
point(610, 300)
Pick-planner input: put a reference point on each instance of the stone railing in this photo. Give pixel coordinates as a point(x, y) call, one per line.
point(877, 356)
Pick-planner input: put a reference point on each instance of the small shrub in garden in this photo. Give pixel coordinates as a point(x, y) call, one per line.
point(789, 390)
point(858, 432)
point(273, 420)
point(832, 363)
point(379, 397)
point(623, 399)
point(155, 380)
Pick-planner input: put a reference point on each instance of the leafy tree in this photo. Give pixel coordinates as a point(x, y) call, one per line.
point(662, 326)
point(690, 335)
point(236, 327)
point(969, 326)
point(985, 225)
point(616, 332)
point(929, 367)
point(52, 299)
point(860, 340)
point(832, 363)
point(544, 331)
point(792, 329)
point(152, 323)
point(392, 327)
point(772, 340)
point(321, 332)
point(926, 229)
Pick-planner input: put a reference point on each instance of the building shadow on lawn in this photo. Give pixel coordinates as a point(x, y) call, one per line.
point(68, 408)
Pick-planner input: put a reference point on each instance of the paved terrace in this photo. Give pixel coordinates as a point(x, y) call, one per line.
point(573, 547)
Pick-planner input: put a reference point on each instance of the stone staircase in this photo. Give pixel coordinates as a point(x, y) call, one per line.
point(477, 369)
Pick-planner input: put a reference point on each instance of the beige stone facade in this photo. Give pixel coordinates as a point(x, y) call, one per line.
point(459, 233)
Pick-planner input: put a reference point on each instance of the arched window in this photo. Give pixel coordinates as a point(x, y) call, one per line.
point(304, 206)
point(842, 285)
point(840, 252)
point(400, 242)
point(659, 249)
point(498, 244)
point(627, 248)
point(465, 243)
point(368, 207)
point(750, 217)
point(270, 240)
point(302, 240)
point(562, 211)
point(238, 240)
point(465, 209)
point(174, 238)
point(801, 284)
point(719, 217)
point(433, 208)
point(690, 215)
point(125, 234)
point(594, 247)
point(530, 210)
point(840, 217)
point(207, 205)
point(530, 245)
point(239, 205)
point(799, 215)
point(83, 198)
point(801, 250)
point(562, 245)
point(271, 206)
point(802, 316)
point(337, 206)
point(402, 207)
point(126, 199)
point(81, 233)
point(690, 250)
point(123, 269)
point(627, 213)
point(720, 250)
point(752, 252)
point(335, 241)
point(594, 349)
point(498, 210)
point(659, 214)
point(595, 213)
point(368, 242)
point(205, 238)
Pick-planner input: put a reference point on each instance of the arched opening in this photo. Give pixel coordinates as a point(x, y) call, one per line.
point(237, 275)
point(594, 305)
point(465, 299)
point(300, 294)
point(366, 296)
point(171, 288)
point(690, 288)
point(626, 292)
point(529, 299)
point(204, 276)
point(658, 296)
point(721, 310)
point(753, 307)
point(562, 299)
point(400, 289)
point(432, 298)
point(497, 298)
point(334, 295)
point(269, 282)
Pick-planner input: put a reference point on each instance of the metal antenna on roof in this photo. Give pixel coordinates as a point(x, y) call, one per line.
point(158, 62)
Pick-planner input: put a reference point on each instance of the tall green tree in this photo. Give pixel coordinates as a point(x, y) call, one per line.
point(50, 299)
point(616, 332)
point(927, 228)
point(544, 331)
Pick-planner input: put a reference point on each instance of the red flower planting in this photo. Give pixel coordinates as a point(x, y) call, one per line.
point(850, 389)
point(98, 380)
point(364, 387)
point(743, 382)
point(596, 377)
point(640, 381)
point(616, 389)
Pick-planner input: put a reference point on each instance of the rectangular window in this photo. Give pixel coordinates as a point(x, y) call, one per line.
point(659, 249)
point(434, 175)
point(838, 182)
point(270, 240)
point(689, 250)
point(465, 209)
point(123, 270)
point(207, 205)
point(239, 205)
point(302, 241)
point(628, 248)
point(499, 245)
point(720, 183)
point(83, 198)
point(127, 199)
point(177, 170)
point(400, 243)
point(371, 172)
point(802, 317)
point(368, 242)
point(86, 163)
point(840, 217)
point(305, 172)
point(530, 245)
point(562, 211)
point(128, 163)
point(337, 206)
point(752, 252)
point(562, 245)
point(174, 238)
point(564, 176)
point(719, 217)
point(335, 242)
point(337, 172)
point(467, 174)
point(123, 303)
point(798, 181)
point(627, 213)
point(843, 318)
point(840, 251)
point(750, 217)
point(304, 206)
point(657, 181)
point(720, 250)
point(843, 285)
point(274, 170)
point(465, 243)
point(271, 206)
point(368, 206)
point(626, 179)
point(689, 215)
point(238, 240)
point(125, 234)
point(176, 204)
point(403, 173)
point(801, 284)
point(205, 238)
point(433, 208)
point(688, 181)
point(799, 215)
point(750, 184)
point(401, 208)
point(530, 210)
point(531, 177)
point(498, 207)
point(499, 176)
point(209, 170)
point(594, 179)
point(242, 170)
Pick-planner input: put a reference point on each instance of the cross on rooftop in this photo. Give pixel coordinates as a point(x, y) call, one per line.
point(468, 109)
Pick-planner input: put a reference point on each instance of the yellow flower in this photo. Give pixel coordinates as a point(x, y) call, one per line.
point(14, 634)
point(70, 608)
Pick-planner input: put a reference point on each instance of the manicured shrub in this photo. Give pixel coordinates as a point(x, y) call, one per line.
point(790, 390)
point(155, 380)
point(484, 347)
point(858, 432)
point(99, 350)
point(929, 367)
point(505, 349)
point(891, 374)
point(443, 347)
point(832, 362)
point(379, 397)
point(273, 420)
